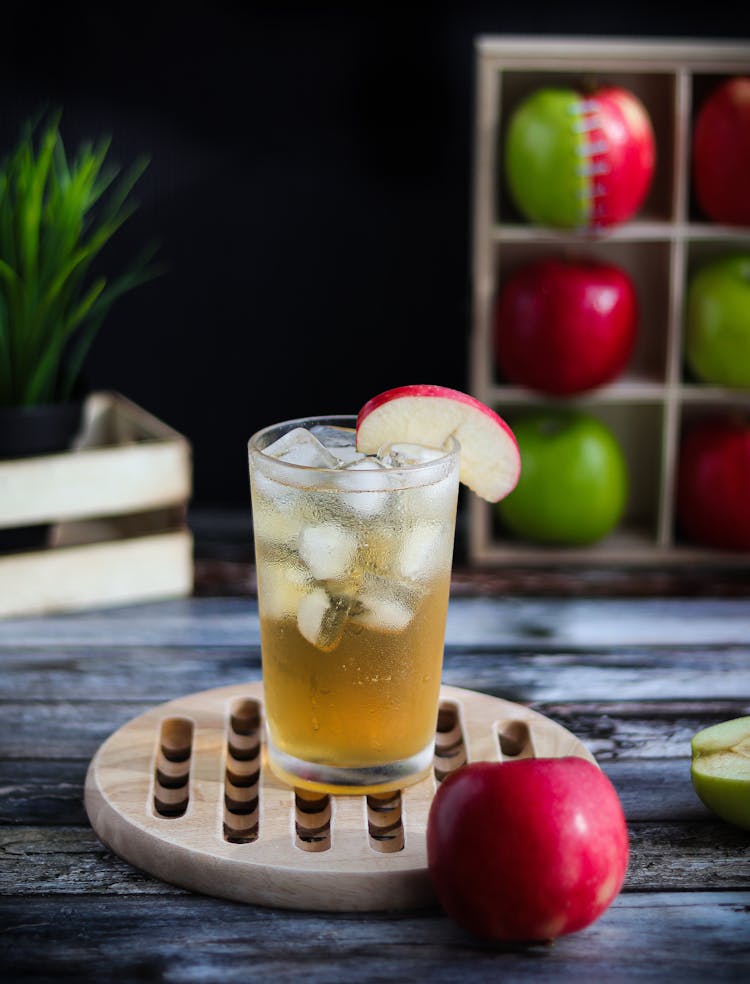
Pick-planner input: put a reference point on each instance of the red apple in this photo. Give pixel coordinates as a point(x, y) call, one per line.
point(565, 326)
point(429, 415)
point(721, 153)
point(529, 849)
point(579, 160)
point(713, 484)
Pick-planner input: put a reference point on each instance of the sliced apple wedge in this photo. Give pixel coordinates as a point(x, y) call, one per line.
point(720, 770)
point(429, 415)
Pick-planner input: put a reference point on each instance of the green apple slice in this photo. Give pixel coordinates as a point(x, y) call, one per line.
point(720, 770)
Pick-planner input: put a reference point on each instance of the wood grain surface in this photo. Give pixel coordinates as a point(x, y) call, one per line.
point(632, 678)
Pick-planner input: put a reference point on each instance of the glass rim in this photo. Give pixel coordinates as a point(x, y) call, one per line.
point(451, 452)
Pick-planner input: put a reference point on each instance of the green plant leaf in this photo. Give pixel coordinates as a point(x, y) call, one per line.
point(141, 272)
point(31, 214)
point(57, 215)
point(6, 365)
point(84, 306)
point(124, 189)
point(11, 290)
point(40, 386)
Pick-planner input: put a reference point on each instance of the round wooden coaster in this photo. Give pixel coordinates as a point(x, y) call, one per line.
point(183, 792)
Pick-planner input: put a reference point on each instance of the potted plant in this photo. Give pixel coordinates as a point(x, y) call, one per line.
point(57, 213)
point(56, 216)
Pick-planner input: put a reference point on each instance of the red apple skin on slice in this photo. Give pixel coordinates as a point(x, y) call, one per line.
point(428, 415)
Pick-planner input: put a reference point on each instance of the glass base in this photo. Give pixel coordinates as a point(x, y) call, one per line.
point(349, 780)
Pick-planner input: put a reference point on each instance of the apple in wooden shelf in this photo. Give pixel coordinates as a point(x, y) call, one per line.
point(717, 331)
point(564, 326)
point(574, 485)
point(721, 153)
point(578, 160)
point(713, 483)
point(524, 850)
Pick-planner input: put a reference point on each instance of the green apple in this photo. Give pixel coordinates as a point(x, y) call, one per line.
point(539, 151)
point(573, 484)
point(579, 160)
point(720, 769)
point(717, 341)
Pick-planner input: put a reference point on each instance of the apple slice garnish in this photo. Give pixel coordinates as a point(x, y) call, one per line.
point(429, 415)
point(720, 770)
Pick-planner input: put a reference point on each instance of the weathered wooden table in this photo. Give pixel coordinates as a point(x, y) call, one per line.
point(634, 679)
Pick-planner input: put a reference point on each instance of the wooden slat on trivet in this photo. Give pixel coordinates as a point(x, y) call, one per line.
point(209, 834)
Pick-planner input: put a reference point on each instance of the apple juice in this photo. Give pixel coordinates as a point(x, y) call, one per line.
point(353, 556)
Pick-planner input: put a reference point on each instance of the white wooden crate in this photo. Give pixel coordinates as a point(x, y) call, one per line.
point(117, 503)
point(648, 406)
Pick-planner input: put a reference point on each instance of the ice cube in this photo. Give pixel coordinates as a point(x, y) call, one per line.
point(300, 447)
point(328, 550)
point(341, 441)
point(348, 456)
point(279, 525)
point(334, 437)
point(384, 607)
point(362, 499)
point(384, 614)
point(365, 462)
point(439, 499)
point(422, 551)
point(265, 491)
point(401, 454)
point(282, 589)
point(321, 618)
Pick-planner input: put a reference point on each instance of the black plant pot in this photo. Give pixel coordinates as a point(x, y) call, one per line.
point(29, 431)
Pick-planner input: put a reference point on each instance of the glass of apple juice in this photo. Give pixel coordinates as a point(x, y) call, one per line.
point(353, 556)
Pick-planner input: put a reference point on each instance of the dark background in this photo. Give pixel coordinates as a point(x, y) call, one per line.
point(309, 185)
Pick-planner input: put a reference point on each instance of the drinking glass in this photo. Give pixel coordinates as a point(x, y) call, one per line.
point(353, 559)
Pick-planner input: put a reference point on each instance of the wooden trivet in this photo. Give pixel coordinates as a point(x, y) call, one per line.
point(183, 792)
